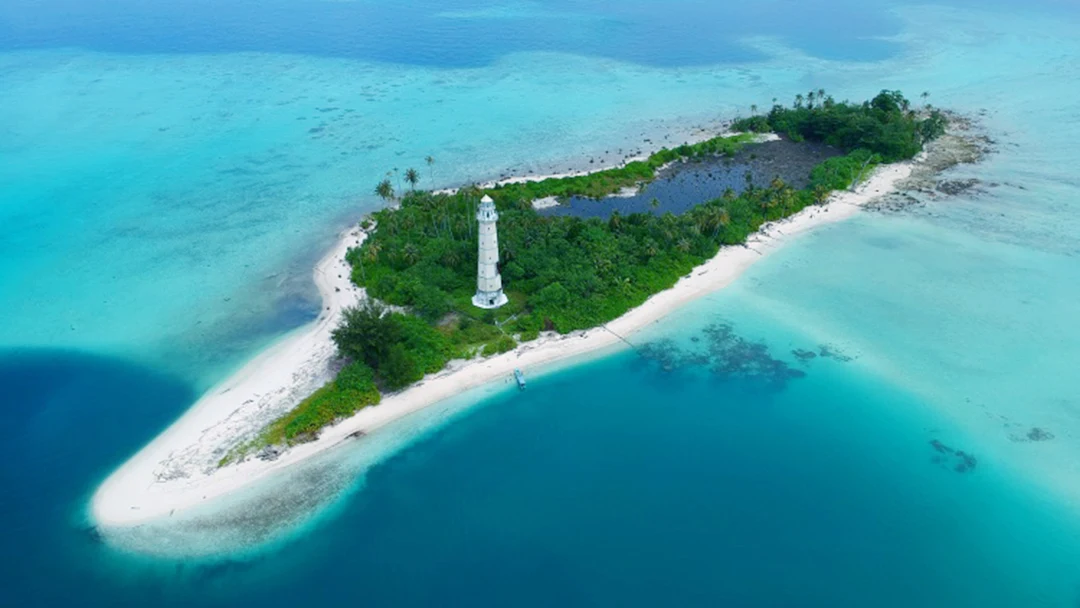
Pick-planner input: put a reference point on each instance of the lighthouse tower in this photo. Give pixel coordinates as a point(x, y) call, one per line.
point(489, 293)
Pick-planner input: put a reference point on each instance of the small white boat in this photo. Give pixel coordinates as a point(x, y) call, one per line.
point(520, 378)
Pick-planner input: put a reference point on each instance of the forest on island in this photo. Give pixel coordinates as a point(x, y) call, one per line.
point(564, 273)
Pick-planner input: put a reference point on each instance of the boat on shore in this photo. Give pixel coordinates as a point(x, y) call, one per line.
point(519, 377)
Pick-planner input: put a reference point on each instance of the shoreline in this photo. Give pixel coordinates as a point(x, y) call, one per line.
point(178, 469)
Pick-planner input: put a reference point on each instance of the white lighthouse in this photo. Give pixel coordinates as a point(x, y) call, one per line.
point(489, 293)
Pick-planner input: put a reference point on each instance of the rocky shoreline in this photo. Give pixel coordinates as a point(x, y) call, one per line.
point(965, 143)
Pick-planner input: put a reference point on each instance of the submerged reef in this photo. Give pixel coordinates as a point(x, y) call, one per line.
point(957, 460)
point(728, 356)
point(1034, 434)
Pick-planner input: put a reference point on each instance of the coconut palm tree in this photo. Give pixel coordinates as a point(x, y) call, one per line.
point(718, 218)
point(385, 190)
point(798, 100)
point(410, 253)
point(615, 222)
point(820, 194)
point(412, 177)
point(451, 258)
point(753, 109)
point(651, 249)
point(430, 160)
point(373, 250)
point(683, 245)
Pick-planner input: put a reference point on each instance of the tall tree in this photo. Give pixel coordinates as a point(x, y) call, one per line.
point(385, 190)
point(412, 177)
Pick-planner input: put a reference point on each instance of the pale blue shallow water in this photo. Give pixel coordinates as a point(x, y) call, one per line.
point(170, 172)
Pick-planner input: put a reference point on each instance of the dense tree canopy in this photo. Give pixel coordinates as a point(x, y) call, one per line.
point(886, 125)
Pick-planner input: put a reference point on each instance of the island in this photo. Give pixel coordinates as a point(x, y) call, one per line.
point(418, 308)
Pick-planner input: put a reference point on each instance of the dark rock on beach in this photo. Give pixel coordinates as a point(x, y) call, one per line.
point(269, 453)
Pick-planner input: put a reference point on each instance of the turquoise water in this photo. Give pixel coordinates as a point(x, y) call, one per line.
point(170, 173)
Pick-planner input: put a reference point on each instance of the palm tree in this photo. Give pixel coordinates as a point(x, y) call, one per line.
point(810, 99)
point(451, 258)
point(820, 94)
point(412, 177)
point(718, 218)
point(753, 109)
point(373, 250)
point(410, 253)
point(925, 95)
point(651, 248)
point(820, 194)
point(430, 160)
point(385, 190)
point(615, 222)
point(683, 245)
point(798, 100)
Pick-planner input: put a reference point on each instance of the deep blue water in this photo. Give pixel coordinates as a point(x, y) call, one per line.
point(418, 32)
point(614, 483)
point(170, 170)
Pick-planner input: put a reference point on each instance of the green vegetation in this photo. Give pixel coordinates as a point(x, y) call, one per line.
point(397, 349)
point(886, 125)
point(565, 273)
point(352, 390)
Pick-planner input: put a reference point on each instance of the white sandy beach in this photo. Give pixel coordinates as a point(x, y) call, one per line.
point(178, 469)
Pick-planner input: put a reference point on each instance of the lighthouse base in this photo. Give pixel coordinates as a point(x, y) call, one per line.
point(489, 299)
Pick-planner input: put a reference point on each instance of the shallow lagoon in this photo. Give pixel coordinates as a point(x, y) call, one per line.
point(682, 186)
point(124, 242)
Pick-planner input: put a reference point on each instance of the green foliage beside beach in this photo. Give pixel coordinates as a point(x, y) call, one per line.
point(352, 390)
point(398, 348)
point(564, 273)
point(887, 125)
